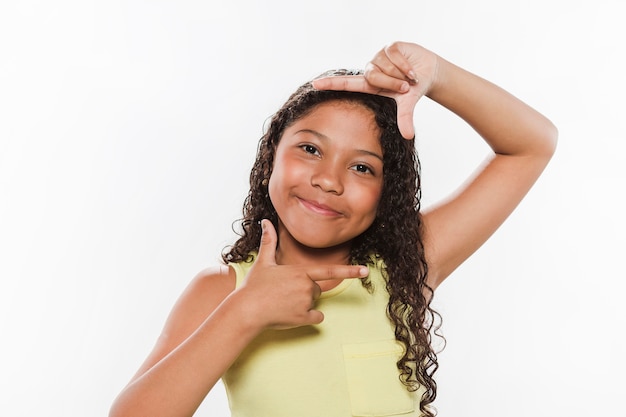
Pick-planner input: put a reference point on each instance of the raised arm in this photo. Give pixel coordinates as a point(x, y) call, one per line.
point(522, 141)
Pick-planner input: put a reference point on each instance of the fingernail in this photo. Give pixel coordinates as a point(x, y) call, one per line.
point(263, 225)
point(411, 75)
point(363, 271)
point(404, 87)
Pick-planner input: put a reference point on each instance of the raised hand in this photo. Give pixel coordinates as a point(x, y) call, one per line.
point(402, 71)
point(283, 296)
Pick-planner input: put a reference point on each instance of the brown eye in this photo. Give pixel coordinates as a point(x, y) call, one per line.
point(310, 149)
point(364, 169)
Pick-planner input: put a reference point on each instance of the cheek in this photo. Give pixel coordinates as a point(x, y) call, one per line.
point(369, 200)
point(287, 171)
point(284, 176)
point(272, 186)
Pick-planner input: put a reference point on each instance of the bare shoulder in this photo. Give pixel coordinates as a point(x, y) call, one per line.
point(202, 296)
point(207, 290)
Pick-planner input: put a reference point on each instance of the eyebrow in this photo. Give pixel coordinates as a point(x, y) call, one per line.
point(326, 138)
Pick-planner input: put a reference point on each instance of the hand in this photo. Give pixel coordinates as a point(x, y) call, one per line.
point(285, 295)
point(402, 71)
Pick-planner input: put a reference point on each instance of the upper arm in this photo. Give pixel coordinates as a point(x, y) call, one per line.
point(456, 228)
point(201, 297)
point(522, 140)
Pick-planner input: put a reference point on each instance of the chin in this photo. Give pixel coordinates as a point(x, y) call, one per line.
point(315, 241)
point(319, 236)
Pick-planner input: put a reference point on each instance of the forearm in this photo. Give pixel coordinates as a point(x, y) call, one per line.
point(523, 141)
point(177, 384)
point(509, 126)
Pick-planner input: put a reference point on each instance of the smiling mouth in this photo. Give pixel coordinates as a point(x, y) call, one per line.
point(320, 209)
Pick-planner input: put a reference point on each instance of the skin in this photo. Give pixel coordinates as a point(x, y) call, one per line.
point(326, 184)
point(280, 290)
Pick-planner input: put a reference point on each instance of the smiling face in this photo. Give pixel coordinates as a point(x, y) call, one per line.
point(327, 177)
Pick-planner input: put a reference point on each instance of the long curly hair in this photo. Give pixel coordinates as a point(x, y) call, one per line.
point(394, 237)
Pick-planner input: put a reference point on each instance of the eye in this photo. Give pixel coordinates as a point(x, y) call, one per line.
point(364, 169)
point(310, 149)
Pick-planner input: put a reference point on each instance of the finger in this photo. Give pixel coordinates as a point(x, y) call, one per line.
point(355, 83)
point(397, 55)
point(317, 292)
point(405, 125)
point(315, 317)
point(267, 248)
point(350, 83)
point(384, 64)
point(322, 273)
point(377, 77)
point(406, 107)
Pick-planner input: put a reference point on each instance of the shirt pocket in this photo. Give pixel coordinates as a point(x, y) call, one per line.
point(373, 379)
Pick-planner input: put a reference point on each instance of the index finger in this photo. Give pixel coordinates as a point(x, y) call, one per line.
point(326, 272)
point(354, 83)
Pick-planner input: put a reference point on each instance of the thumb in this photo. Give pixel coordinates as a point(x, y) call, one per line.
point(405, 125)
point(267, 248)
point(406, 105)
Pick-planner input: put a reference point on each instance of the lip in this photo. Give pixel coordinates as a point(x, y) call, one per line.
point(319, 208)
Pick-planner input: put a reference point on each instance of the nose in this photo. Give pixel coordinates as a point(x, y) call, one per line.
point(328, 178)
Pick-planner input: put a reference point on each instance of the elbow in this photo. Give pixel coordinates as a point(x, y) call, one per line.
point(544, 142)
point(553, 138)
point(550, 139)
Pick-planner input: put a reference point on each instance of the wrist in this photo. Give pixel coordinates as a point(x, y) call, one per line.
point(245, 311)
point(440, 68)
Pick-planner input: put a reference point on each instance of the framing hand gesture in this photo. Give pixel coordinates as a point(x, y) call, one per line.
point(285, 295)
point(402, 71)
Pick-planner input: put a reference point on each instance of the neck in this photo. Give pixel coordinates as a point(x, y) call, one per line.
point(292, 252)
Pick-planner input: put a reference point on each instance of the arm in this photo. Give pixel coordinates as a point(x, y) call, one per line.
point(213, 322)
point(204, 320)
point(522, 141)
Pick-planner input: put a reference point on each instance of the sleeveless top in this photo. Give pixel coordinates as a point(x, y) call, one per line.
point(344, 366)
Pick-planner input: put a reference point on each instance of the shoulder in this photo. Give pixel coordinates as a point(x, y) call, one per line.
point(205, 292)
point(215, 278)
point(202, 296)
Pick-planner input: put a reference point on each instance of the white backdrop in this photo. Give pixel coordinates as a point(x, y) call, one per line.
point(127, 130)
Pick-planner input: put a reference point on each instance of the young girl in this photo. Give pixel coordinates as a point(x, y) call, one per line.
point(334, 200)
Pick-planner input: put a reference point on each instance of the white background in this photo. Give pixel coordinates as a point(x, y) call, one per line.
point(127, 130)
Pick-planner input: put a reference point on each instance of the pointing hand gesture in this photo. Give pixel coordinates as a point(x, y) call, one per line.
point(283, 296)
point(402, 71)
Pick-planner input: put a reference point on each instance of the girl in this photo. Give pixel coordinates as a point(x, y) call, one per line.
point(334, 199)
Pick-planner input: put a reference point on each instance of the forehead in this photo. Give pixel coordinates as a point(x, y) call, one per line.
point(342, 106)
point(340, 119)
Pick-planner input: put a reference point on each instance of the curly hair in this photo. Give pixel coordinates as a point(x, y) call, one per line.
point(395, 236)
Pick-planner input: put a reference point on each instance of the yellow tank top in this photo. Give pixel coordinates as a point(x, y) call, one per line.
point(345, 366)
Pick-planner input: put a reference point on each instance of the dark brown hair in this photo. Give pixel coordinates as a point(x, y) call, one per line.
point(395, 235)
